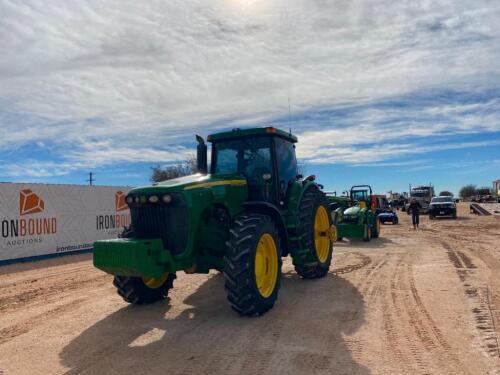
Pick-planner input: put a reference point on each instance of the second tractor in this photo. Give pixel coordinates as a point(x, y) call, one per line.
point(359, 220)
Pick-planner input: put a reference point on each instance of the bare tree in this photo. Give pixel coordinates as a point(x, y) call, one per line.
point(485, 190)
point(169, 172)
point(467, 191)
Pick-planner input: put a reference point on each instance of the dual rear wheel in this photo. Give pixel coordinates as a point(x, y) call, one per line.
point(253, 260)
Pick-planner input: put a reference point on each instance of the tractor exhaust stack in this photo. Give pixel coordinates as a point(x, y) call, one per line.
point(201, 156)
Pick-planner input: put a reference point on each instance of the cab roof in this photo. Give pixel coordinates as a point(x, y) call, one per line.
point(250, 133)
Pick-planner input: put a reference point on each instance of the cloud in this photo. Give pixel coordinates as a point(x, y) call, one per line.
point(143, 77)
point(375, 153)
point(394, 128)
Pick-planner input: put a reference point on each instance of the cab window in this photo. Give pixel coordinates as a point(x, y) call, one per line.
point(287, 164)
point(250, 158)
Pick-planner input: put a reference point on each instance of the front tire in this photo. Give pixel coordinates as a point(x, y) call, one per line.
point(367, 233)
point(312, 256)
point(141, 291)
point(253, 265)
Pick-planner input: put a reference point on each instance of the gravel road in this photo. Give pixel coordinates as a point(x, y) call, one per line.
point(410, 302)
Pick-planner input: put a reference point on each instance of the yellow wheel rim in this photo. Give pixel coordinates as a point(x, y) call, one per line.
point(266, 265)
point(154, 282)
point(321, 230)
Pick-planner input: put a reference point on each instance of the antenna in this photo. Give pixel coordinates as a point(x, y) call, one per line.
point(289, 115)
point(91, 179)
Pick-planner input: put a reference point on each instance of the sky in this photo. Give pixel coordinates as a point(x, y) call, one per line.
point(378, 92)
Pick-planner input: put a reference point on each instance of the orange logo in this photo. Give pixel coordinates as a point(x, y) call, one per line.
point(30, 203)
point(120, 204)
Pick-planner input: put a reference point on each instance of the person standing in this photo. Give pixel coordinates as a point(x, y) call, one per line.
point(414, 209)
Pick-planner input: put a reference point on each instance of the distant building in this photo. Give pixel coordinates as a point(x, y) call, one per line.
point(496, 188)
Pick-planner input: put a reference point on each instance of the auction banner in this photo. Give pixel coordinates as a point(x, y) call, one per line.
point(40, 219)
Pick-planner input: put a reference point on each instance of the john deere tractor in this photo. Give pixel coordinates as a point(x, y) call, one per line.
point(241, 217)
point(359, 220)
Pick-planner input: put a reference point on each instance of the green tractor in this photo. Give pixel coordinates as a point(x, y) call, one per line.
point(360, 219)
point(251, 210)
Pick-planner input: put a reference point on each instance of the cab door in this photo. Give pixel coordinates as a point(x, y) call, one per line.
point(286, 164)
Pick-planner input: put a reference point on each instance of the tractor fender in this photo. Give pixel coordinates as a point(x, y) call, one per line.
point(305, 186)
point(266, 208)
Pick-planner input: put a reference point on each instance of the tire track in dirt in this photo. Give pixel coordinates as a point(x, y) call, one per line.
point(370, 285)
point(44, 276)
point(364, 260)
point(421, 307)
point(397, 284)
point(8, 333)
point(259, 359)
point(433, 339)
point(20, 300)
point(479, 296)
point(398, 343)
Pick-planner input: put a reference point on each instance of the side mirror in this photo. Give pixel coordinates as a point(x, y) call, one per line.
point(267, 177)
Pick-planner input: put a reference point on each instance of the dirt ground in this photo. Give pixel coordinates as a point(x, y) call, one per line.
point(410, 302)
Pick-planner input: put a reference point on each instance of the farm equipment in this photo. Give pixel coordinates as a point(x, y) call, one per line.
point(359, 220)
point(337, 206)
point(388, 216)
point(241, 218)
point(379, 203)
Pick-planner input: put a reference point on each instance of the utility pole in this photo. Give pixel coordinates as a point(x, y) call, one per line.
point(91, 179)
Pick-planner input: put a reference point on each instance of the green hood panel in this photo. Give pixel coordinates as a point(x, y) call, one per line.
point(192, 182)
point(352, 210)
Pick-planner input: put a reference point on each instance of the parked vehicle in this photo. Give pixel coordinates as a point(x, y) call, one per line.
point(251, 210)
point(442, 206)
point(379, 203)
point(423, 195)
point(359, 220)
point(388, 216)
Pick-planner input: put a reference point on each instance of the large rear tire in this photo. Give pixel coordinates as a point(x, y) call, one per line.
point(253, 265)
point(140, 291)
point(313, 256)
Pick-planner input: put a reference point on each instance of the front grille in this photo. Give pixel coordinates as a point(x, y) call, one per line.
point(165, 221)
point(350, 219)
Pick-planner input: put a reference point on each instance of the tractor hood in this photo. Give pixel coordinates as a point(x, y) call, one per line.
point(352, 210)
point(187, 183)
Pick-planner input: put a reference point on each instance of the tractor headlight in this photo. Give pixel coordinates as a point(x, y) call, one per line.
point(153, 199)
point(130, 199)
point(166, 198)
point(137, 200)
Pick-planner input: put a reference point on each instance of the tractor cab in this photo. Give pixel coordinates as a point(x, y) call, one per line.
point(361, 196)
point(264, 157)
